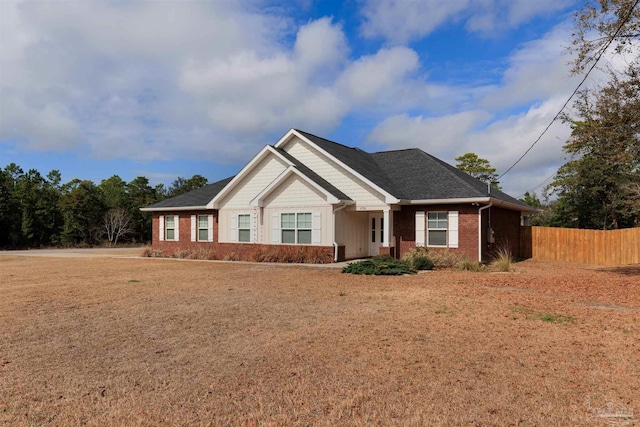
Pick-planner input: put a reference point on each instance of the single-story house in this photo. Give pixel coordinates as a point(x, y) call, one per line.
point(342, 201)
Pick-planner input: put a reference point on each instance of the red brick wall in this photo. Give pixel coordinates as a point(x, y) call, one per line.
point(506, 226)
point(232, 251)
point(185, 230)
point(405, 233)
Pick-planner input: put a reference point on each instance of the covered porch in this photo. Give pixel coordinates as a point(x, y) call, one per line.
point(365, 232)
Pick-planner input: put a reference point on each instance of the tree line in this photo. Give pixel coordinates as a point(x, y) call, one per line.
point(41, 211)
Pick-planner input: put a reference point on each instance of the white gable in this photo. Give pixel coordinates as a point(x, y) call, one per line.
point(363, 194)
point(295, 192)
point(260, 176)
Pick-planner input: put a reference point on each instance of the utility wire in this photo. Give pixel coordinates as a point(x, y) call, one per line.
point(602, 51)
point(542, 183)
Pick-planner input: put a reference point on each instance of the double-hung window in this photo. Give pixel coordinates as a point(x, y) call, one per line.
point(203, 228)
point(436, 228)
point(244, 228)
point(296, 228)
point(170, 228)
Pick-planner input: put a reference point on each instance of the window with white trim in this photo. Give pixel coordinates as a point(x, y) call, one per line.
point(437, 229)
point(203, 228)
point(244, 228)
point(170, 227)
point(296, 228)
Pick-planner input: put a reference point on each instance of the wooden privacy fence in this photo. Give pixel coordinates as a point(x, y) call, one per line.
point(600, 247)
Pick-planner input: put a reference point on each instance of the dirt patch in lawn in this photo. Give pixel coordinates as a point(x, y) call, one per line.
point(111, 342)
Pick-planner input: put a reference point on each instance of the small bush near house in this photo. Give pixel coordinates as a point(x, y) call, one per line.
point(472, 266)
point(149, 252)
point(379, 267)
point(290, 254)
point(440, 258)
point(502, 260)
point(422, 263)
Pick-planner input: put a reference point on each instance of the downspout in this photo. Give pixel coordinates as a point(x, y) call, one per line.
point(335, 244)
point(480, 230)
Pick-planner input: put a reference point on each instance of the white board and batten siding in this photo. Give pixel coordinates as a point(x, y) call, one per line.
point(359, 191)
point(295, 195)
point(353, 232)
point(251, 185)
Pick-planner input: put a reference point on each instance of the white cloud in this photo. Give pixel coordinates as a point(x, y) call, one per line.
point(488, 16)
point(536, 71)
point(502, 141)
point(217, 80)
point(435, 135)
point(370, 76)
point(401, 21)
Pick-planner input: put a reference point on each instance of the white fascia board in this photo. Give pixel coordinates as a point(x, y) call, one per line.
point(175, 208)
point(512, 206)
point(259, 199)
point(448, 201)
point(266, 150)
point(483, 200)
point(388, 197)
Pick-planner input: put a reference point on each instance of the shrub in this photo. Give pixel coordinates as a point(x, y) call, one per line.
point(422, 263)
point(379, 267)
point(182, 253)
point(441, 258)
point(150, 252)
point(473, 266)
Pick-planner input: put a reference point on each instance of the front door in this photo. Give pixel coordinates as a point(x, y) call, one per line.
point(376, 233)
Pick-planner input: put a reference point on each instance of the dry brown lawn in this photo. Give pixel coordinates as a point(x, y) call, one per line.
point(117, 342)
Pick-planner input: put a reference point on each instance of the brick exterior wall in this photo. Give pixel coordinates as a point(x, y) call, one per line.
point(506, 226)
point(230, 251)
point(505, 223)
point(185, 230)
point(404, 223)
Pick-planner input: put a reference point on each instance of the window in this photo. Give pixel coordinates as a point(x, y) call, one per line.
point(170, 228)
point(244, 228)
point(436, 229)
point(203, 228)
point(296, 228)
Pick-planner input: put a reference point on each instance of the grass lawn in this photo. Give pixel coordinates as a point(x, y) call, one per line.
point(113, 342)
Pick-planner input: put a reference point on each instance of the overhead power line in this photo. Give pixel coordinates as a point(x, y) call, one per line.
point(602, 51)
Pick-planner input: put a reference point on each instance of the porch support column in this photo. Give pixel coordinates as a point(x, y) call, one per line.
point(387, 221)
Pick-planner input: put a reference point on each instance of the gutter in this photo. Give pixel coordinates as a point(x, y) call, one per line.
point(492, 200)
point(175, 208)
point(335, 244)
point(480, 230)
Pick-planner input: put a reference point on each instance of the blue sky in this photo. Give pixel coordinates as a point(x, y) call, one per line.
point(176, 88)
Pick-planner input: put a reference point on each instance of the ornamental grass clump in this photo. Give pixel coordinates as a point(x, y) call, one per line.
point(503, 259)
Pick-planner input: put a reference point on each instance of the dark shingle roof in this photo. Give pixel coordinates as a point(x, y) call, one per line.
point(411, 174)
point(198, 197)
point(314, 176)
point(420, 176)
point(358, 160)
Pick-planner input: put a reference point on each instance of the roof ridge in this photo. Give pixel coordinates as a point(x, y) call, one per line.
point(328, 140)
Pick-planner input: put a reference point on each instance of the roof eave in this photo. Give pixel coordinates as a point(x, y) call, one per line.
point(174, 208)
point(447, 201)
point(465, 200)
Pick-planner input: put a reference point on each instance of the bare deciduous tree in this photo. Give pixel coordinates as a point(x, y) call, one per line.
point(116, 224)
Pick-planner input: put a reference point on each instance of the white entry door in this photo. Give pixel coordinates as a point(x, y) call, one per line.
point(376, 233)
